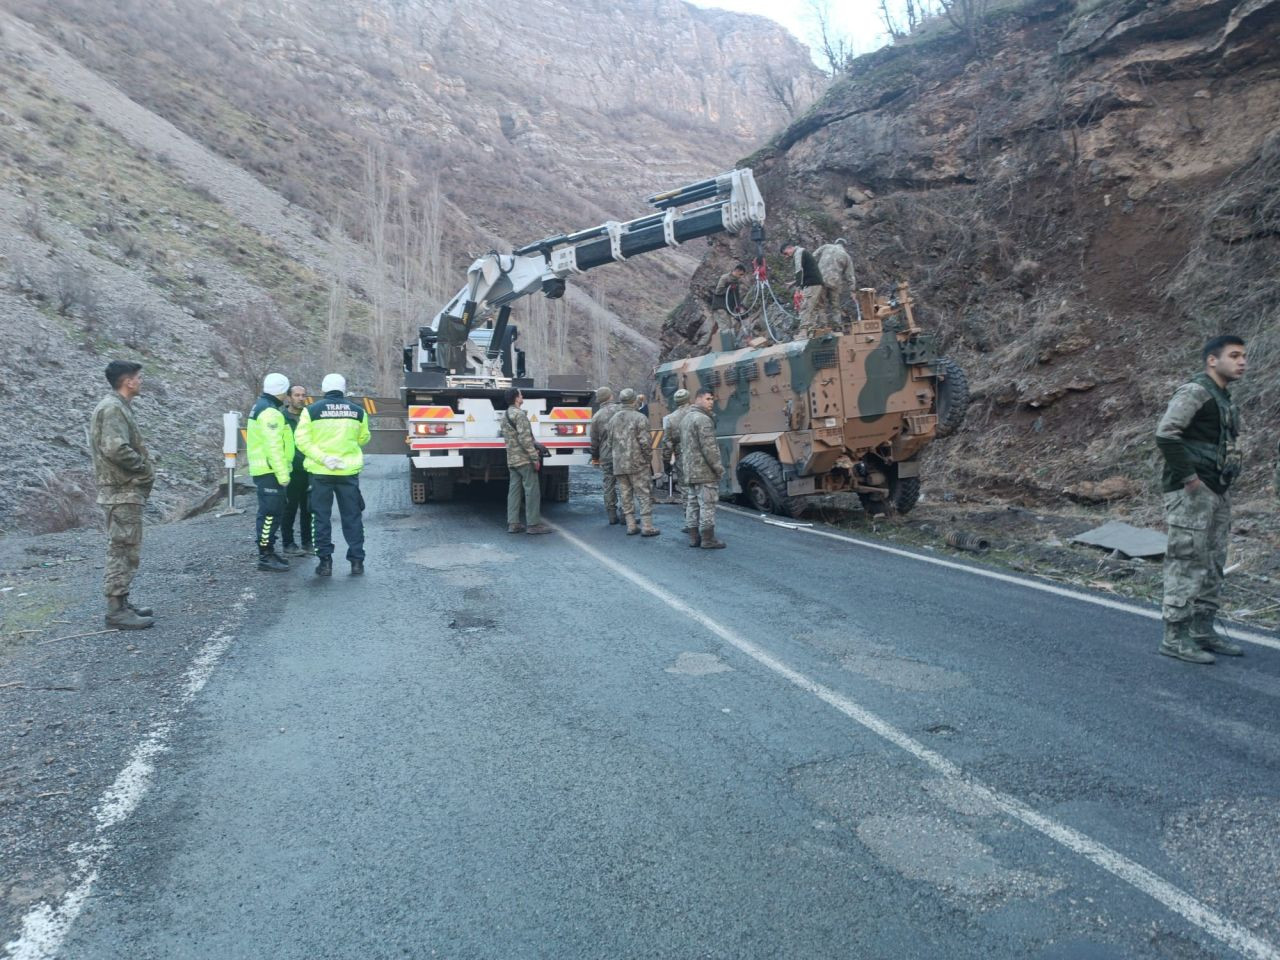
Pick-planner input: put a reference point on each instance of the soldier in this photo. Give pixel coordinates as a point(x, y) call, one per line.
point(601, 456)
point(331, 433)
point(633, 465)
point(728, 295)
point(808, 280)
point(269, 446)
point(838, 280)
point(1197, 438)
point(524, 462)
point(703, 469)
point(124, 472)
point(295, 495)
point(671, 449)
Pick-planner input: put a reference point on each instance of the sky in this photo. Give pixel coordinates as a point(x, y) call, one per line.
point(857, 20)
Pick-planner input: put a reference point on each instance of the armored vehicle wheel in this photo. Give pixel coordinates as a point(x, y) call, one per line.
point(953, 397)
point(417, 485)
point(903, 493)
point(763, 486)
point(555, 484)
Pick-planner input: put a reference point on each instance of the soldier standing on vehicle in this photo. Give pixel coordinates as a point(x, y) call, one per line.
point(295, 495)
point(633, 465)
point(331, 433)
point(124, 472)
point(269, 445)
point(1198, 437)
point(606, 410)
point(671, 448)
point(524, 463)
point(703, 469)
point(728, 295)
point(836, 268)
point(808, 279)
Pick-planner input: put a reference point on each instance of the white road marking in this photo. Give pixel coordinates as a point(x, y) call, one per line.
point(1183, 904)
point(1249, 636)
point(46, 925)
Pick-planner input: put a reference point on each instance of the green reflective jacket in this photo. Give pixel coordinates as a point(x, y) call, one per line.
point(269, 441)
point(333, 426)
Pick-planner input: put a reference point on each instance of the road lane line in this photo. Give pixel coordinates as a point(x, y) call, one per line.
point(1234, 935)
point(1249, 636)
point(46, 925)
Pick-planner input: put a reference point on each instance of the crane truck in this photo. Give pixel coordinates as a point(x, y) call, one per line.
point(457, 371)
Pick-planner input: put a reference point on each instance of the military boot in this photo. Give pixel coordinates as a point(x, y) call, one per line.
point(357, 568)
point(515, 528)
point(122, 618)
point(647, 529)
point(613, 518)
point(272, 562)
point(140, 611)
point(709, 541)
point(695, 538)
point(1208, 638)
point(325, 567)
point(1177, 643)
point(632, 527)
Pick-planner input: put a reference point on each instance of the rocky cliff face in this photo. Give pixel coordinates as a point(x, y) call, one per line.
point(1078, 204)
point(219, 188)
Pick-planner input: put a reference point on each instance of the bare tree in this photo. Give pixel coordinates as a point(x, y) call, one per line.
point(967, 16)
point(600, 336)
point(338, 314)
point(535, 341)
point(382, 324)
point(780, 89)
point(837, 49)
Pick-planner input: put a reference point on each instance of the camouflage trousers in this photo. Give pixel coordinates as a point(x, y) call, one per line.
point(818, 310)
point(610, 484)
point(524, 490)
point(124, 547)
point(700, 501)
point(1199, 522)
point(635, 494)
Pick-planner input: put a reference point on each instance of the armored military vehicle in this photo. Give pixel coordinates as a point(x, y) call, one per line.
point(836, 412)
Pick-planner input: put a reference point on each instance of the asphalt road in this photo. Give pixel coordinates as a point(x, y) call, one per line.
point(593, 745)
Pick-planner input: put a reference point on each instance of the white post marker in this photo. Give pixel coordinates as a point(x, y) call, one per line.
point(230, 445)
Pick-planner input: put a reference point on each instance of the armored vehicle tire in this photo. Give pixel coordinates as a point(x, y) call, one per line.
point(763, 486)
point(904, 492)
point(555, 484)
point(953, 397)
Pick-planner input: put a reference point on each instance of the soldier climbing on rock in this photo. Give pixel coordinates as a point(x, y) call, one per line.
point(703, 469)
point(601, 454)
point(633, 465)
point(1198, 439)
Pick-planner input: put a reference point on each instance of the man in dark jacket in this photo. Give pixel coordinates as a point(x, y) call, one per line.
point(1198, 440)
point(295, 495)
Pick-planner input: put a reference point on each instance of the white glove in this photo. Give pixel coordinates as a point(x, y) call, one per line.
point(334, 463)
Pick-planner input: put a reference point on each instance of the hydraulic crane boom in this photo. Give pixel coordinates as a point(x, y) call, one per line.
point(723, 204)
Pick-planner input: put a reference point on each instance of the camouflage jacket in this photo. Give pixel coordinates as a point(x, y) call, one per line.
point(517, 433)
point(600, 431)
point(121, 464)
point(834, 264)
point(807, 272)
point(671, 436)
point(699, 452)
point(1197, 436)
point(629, 442)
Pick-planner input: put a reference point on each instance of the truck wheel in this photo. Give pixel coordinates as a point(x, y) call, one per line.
point(904, 492)
point(953, 397)
point(439, 485)
point(555, 484)
point(417, 485)
point(763, 486)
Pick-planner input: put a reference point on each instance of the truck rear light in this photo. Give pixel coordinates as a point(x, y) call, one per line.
point(431, 429)
point(570, 429)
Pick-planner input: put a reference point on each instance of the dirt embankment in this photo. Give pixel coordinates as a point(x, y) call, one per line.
point(1078, 203)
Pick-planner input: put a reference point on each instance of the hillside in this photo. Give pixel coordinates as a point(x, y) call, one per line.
point(222, 188)
point(1078, 203)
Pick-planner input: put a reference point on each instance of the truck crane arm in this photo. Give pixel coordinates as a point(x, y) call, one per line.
point(722, 204)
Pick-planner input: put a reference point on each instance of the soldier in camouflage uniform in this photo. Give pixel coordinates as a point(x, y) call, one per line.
point(808, 279)
point(125, 473)
point(1197, 437)
point(601, 454)
point(633, 465)
point(838, 281)
point(524, 461)
point(703, 469)
point(671, 448)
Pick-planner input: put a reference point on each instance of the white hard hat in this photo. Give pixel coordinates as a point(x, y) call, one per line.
point(334, 381)
point(275, 384)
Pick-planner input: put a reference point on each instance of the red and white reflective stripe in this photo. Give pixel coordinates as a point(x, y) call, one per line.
point(430, 413)
point(570, 413)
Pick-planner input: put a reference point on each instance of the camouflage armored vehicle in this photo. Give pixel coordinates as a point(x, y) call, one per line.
point(837, 412)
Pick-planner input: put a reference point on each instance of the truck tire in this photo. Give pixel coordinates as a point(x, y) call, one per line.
point(904, 492)
point(439, 485)
point(763, 486)
point(555, 484)
point(417, 485)
point(953, 397)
